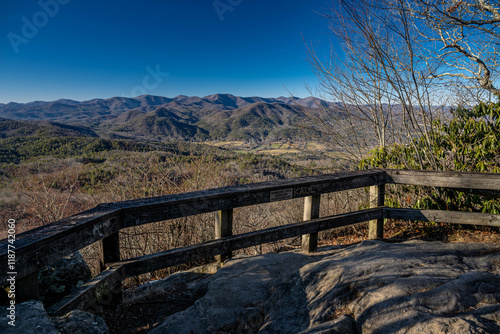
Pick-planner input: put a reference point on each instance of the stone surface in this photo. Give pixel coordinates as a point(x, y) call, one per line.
point(234, 292)
point(371, 287)
point(79, 322)
point(184, 286)
point(344, 324)
point(61, 277)
point(30, 317)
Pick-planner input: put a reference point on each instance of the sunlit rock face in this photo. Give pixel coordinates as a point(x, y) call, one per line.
point(371, 287)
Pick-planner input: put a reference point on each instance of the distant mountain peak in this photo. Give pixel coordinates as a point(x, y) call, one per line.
point(151, 117)
point(218, 96)
point(98, 110)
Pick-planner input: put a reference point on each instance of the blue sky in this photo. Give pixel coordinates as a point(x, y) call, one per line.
point(76, 49)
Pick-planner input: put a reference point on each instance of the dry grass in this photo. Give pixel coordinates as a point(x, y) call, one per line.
point(51, 191)
point(47, 193)
point(272, 148)
point(280, 151)
point(226, 144)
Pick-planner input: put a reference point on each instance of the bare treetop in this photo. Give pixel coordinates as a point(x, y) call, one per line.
point(463, 36)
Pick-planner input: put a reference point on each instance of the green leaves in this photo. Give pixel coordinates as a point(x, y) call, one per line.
point(19, 149)
point(470, 142)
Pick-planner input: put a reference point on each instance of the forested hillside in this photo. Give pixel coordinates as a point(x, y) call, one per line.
point(214, 117)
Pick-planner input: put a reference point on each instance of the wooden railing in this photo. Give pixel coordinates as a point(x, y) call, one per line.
point(37, 248)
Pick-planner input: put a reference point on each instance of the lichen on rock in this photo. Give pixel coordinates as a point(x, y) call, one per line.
point(60, 278)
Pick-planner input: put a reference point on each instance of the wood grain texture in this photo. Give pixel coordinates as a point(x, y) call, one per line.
point(209, 249)
point(377, 198)
point(223, 228)
point(311, 211)
point(461, 180)
point(154, 209)
point(454, 217)
point(37, 248)
point(106, 284)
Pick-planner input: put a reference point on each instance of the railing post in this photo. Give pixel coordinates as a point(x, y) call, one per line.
point(110, 249)
point(223, 228)
point(377, 197)
point(311, 211)
point(28, 288)
point(110, 254)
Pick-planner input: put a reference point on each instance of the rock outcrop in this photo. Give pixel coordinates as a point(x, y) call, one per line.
point(372, 287)
point(61, 277)
point(79, 322)
point(31, 317)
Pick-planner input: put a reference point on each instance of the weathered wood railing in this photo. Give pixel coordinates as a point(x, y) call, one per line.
point(37, 248)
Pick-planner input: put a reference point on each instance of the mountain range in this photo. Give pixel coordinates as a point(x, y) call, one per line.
point(213, 117)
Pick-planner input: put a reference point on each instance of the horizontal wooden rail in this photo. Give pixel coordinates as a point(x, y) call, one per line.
point(143, 211)
point(438, 216)
point(461, 180)
point(148, 263)
point(37, 248)
point(91, 292)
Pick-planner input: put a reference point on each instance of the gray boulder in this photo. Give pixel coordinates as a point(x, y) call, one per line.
point(61, 277)
point(79, 322)
point(30, 317)
point(234, 295)
point(371, 287)
point(344, 324)
point(184, 285)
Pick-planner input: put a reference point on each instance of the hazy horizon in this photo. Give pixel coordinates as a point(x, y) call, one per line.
point(170, 97)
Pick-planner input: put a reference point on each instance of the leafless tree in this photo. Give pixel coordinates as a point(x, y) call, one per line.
point(462, 37)
point(385, 88)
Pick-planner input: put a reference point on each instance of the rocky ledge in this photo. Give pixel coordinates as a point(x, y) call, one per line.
point(31, 317)
point(372, 287)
